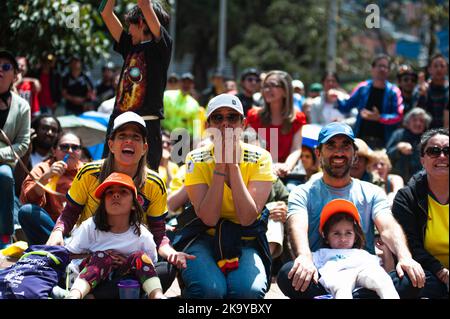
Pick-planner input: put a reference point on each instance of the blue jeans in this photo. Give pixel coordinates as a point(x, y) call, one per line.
point(36, 224)
point(403, 286)
point(6, 200)
point(434, 288)
point(203, 279)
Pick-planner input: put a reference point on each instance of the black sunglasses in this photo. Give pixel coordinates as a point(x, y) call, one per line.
point(435, 151)
point(66, 147)
point(6, 66)
point(231, 118)
point(253, 79)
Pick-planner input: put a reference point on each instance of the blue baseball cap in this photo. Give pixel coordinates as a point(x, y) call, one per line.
point(333, 129)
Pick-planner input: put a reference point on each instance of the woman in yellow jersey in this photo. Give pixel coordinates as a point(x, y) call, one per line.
point(128, 149)
point(41, 209)
point(228, 183)
point(422, 210)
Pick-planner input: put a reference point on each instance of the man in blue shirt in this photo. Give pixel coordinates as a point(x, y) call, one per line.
point(336, 153)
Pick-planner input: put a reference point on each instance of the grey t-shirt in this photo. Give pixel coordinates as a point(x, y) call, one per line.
point(311, 197)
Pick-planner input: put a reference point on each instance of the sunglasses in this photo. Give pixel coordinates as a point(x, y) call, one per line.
point(6, 67)
point(67, 147)
point(435, 151)
point(272, 85)
point(253, 79)
point(232, 118)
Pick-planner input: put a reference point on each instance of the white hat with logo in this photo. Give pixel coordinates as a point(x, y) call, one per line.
point(224, 100)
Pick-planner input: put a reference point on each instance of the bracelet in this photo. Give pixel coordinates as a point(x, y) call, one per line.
point(102, 5)
point(219, 173)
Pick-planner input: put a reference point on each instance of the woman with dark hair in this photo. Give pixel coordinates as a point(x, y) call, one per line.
point(44, 189)
point(277, 122)
point(128, 145)
point(421, 208)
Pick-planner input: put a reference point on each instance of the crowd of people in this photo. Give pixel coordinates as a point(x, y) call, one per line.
point(361, 213)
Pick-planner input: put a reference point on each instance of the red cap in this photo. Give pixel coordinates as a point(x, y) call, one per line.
point(116, 179)
point(338, 206)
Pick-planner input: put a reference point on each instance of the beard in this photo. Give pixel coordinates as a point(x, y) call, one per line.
point(336, 172)
point(46, 145)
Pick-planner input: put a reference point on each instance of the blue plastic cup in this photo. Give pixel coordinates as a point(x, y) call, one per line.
point(129, 289)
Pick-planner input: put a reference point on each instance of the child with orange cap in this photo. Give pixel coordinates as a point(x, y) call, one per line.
point(343, 265)
point(116, 240)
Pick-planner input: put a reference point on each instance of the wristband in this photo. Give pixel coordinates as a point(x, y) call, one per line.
point(102, 5)
point(219, 173)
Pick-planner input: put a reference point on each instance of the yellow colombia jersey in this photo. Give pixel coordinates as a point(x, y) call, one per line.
point(436, 233)
point(255, 165)
point(152, 196)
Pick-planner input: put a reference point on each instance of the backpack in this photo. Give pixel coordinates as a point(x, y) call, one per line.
point(35, 273)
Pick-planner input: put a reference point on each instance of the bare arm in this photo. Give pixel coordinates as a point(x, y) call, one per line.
point(112, 22)
point(150, 17)
point(248, 202)
point(303, 270)
point(177, 199)
point(393, 236)
point(207, 200)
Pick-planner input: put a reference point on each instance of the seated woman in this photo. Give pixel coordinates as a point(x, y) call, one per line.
point(228, 182)
point(379, 164)
point(128, 149)
point(422, 210)
point(277, 122)
point(44, 189)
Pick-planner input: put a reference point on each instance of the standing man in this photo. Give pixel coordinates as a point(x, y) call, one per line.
point(336, 153)
point(146, 51)
point(379, 104)
point(250, 84)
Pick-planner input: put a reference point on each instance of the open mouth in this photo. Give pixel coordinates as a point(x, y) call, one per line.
point(128, 151)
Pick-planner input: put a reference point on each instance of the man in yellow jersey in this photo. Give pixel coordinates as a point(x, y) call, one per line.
point(422, 210)
point(228, 183)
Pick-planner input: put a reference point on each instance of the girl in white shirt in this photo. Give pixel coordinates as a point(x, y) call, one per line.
point(116, 239)
point(344, 265)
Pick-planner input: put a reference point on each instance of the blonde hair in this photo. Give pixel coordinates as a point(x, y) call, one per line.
point(287, 110)
point(380, 156)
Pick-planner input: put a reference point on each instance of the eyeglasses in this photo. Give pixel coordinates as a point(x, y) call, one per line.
point(272, 85)
point(435, 151)
point(253, 79)
point(232, 118)
point(409, 79)
point(66, 147)
point(6, 66)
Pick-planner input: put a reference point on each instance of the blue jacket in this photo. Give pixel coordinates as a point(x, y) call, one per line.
point(391, 111)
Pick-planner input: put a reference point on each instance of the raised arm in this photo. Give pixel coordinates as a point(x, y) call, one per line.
point(150, 17)
point(113, 24)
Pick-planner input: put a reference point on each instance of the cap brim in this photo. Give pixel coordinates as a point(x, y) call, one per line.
point(326, 139)
point(338, 206)
point(101, 189)
point(139, 125)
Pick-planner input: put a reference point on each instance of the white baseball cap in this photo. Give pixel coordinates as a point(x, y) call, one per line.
point(130, 117)
point(224, 100)
point(298, 84)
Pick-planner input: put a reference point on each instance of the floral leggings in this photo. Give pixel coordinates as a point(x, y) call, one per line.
point(99, 265)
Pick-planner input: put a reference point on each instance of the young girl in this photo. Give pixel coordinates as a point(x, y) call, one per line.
point(116, 240)
point(344, 265)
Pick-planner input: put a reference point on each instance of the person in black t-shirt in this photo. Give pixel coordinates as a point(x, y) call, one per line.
point(77, 89)
point(146, 50)
point(250, 84)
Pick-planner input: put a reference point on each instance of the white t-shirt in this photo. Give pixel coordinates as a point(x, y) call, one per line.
point(87, 238)
point(37, 158)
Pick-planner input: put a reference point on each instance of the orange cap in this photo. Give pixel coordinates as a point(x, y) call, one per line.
point(338, 206)
point(116, 179)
